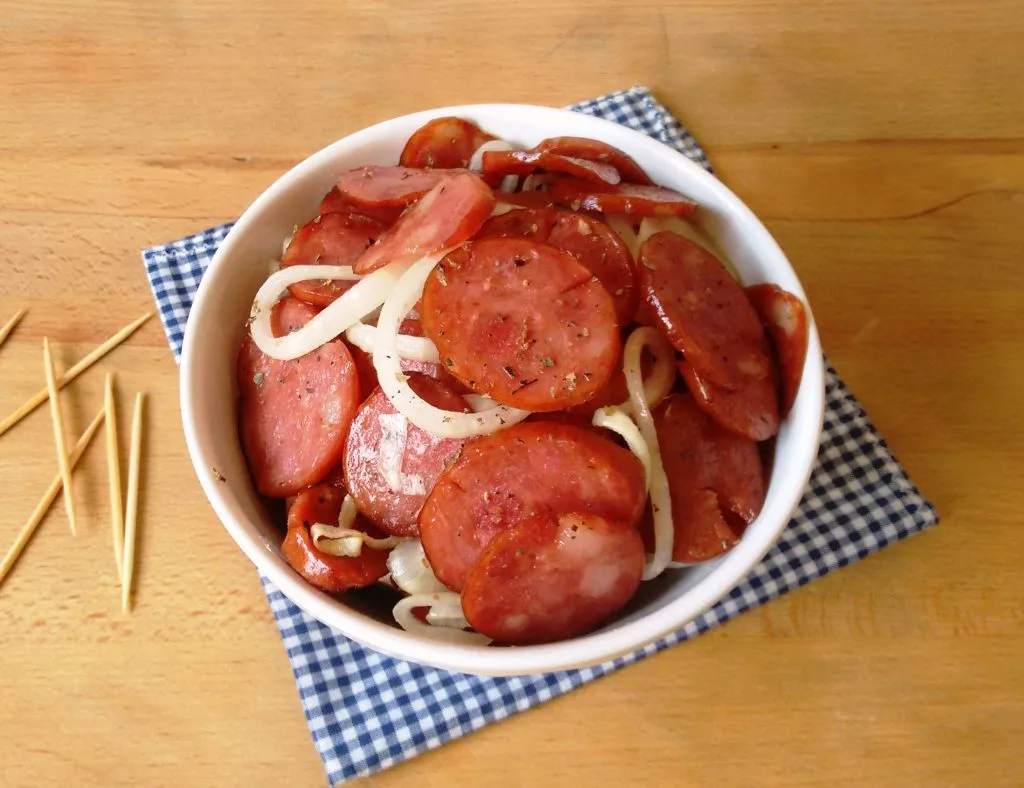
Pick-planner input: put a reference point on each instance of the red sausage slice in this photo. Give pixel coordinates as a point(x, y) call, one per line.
point(391, 465)
point(751, 410)
point(335, 202)
point(443, 142)
point(545, 579)
point(592, 242)
point(525, 470)
point(294, 414)
point(388, 187)
point(330, 239)
point(702, 310)
point(522, 322)
point(527, 162)
point(447, 215)
point(327, 572)
point(626, 198)
point(715, 479)
point(785, 318)
point(592, 150)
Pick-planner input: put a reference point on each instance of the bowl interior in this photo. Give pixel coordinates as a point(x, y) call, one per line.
point(218, 318)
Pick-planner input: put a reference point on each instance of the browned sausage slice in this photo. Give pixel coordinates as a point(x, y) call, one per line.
point(548, 579)
point(522, 322)
point(626, 198)
point(593, 150)
point(531, 468)
point(785, 318)
point(443, 142)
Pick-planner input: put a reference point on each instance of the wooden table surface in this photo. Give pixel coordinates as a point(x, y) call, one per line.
point(883, 145)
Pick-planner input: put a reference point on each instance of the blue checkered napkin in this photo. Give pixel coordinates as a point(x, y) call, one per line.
point(367, 711)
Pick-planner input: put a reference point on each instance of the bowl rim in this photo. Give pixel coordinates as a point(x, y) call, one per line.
point(583, 651)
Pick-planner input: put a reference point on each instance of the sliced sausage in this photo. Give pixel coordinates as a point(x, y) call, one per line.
point(388, 187)
point(327, 572)
point(592, 150)
point(527, 162)
point(752, 410)
point(330, 239)
point(592, 242)
point(335, 202)
point(391, 465)
point(784, 316)
point(531, 468)
point(626, 198)
point(715, 479)
point(547, 578)
point(522, 322)
point(447, 215)
point(443, 142)
point(702, 310)
point(294, 415)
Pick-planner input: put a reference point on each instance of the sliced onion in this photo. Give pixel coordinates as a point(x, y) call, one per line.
point(616, 419)
point(354, 304)
point(347, 542)
point(394, 383)
point(478, 402)
point(410, 570)
point(449, 603)
point(501, 208)
point(661, 501)
point(409, 347)
point(663, 372)
point(625, 231)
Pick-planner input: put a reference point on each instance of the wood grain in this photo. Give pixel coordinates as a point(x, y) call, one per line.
point(882, 143)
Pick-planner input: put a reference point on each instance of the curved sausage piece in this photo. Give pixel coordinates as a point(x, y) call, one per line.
point(702, 310)
point(593, 150)
point(327, 572)
point(335, 202)
point(784, 316)
point(447, 215)
point(522, 322)
point(529, 469)
point(592, 242)
point(751, 411)
point(443, 142)
point(715, 479)
point(294, 415)
point(338, 238)
point(388, 187)
point(626, 198)
point(391, 465)
point(548, 579)
point(527, 162)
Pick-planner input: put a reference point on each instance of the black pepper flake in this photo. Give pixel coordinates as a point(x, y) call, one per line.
point(518, 262)
point(449, 363)
point(310, 390)
point(523, 384)
point(281, 379)
point(217, 474)
point(509, 371)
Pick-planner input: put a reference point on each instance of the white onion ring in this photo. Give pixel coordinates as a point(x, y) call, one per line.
point(450, 605)
point(616, 419)
point(476, 163)
point(353, 305)
point(394, 383)
point(663, 373)
point(661, 501)
point(413, 348)
point(410, 570)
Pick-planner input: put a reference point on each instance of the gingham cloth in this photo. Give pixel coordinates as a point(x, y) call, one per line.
point(367, 711)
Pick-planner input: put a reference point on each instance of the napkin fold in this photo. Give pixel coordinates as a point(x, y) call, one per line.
point(367, 711)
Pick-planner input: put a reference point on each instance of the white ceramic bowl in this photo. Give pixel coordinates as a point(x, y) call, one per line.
point(222, 305)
